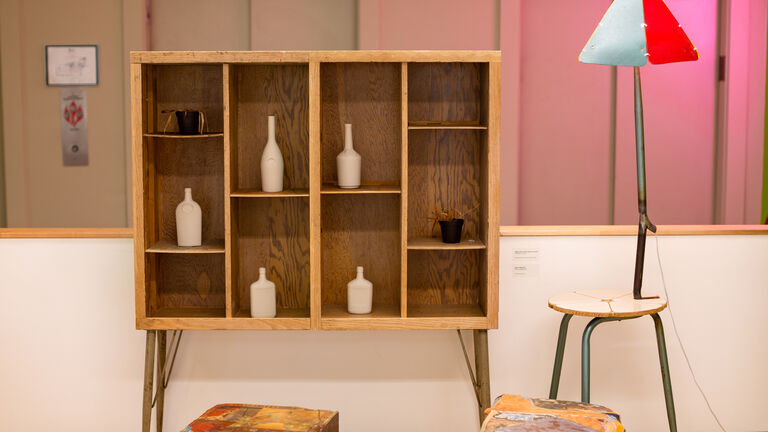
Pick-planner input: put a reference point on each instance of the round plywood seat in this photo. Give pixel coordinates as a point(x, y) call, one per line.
point(605, 303)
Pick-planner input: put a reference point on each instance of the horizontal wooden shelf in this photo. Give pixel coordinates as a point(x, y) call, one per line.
point(422, 125)
point(189, 313)
point(167, 246)
point(180, 136)
point(221, 323)
point(434, 243)
point(281, 313)
point(378, 311)
point(252, 193)
point(445, 310)
point(363, 189)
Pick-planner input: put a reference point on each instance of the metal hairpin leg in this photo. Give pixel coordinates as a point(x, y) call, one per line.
point(553, 387)
point(482, 382)
point(164, 368)
point(585, 353)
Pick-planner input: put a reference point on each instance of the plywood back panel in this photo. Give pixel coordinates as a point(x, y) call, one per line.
point(444, 277)
point(191, 163)
point(281, 91)
point(367, 95)
point(445, 91)
point(361, 230)
point(188, 281)
point(444, 170)
point(188, 87)
point(273, 233)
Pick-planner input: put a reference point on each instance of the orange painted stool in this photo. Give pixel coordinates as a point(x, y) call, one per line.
point(240, 417)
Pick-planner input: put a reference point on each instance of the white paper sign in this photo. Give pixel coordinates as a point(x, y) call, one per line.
point(71, 65)
point(74, 127)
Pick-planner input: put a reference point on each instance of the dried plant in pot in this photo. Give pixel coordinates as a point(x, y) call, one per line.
point(451, 223)
point(191, 122)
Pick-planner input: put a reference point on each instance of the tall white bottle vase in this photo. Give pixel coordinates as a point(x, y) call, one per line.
point(359, 294)
point(271, 162)
point(348, 162)
point(189, 221)
point(263, 298)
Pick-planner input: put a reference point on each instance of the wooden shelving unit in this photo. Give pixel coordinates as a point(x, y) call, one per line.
point(427, 127)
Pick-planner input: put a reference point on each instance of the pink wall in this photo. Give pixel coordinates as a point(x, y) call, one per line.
point(679, 128)
point(564, 105)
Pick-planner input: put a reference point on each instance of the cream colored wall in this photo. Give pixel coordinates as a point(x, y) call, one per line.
point(40, 190)
point(303, 24)
point(200, 25)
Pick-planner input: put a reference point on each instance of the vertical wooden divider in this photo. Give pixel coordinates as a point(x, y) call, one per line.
point(315, 179)
point(493, 198)
point(137, 130)
point(230, 140)
point(404, 191)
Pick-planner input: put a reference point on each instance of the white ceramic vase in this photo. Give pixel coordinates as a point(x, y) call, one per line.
point(348, 162)
point(263, 298)
point(359, 294)
point(189, 221)
point(271, 162)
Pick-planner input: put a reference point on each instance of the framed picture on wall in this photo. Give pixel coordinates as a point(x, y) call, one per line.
point(71, 65)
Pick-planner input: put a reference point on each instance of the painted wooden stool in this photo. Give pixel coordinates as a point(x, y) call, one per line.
point(241, 417)
point(517, 413)
point(605, 306)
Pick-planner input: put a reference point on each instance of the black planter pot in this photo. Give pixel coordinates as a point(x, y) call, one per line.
point(451, 230)
point(189, 122)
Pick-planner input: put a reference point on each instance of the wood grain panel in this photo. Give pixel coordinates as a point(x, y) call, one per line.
point(188, 87)
point(443, 170)
point(281, 91)
point(444, 92)
point(273, 233)
point(190, 281)
point(444, 277)
point(361, 230)
point(189, 164)
point(367, 95)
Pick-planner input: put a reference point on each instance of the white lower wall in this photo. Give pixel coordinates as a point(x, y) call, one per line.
point(72, 358)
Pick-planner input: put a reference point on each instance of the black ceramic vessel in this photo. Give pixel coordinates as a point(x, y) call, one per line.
point(451, 230)
point(189, 122)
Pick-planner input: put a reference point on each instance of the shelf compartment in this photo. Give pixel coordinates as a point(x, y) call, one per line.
point(165, 246)
point(445, 169)
point(262, 90)
point(331, 189)
point(196, 87)
point(378, 311)
point(447, 93)
point(178, 164)
point(250, 193)
point(178, 136)
point(271, 233)
point(446, 283)
point(434, 243)
point(368, 96)
point(362, 230)
point(186, 285)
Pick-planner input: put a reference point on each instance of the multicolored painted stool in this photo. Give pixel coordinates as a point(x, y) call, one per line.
point(605, 306)
point(264, 418)
point(513, 413)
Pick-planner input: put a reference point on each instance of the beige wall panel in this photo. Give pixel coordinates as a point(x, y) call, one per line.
point(303, 24)
point(180, 25)
point(40, 190)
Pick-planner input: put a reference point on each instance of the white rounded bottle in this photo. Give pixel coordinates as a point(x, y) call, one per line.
point(271, 162)
point(263, 298)
point(189, 221)
point(348, 162)
point(359, 294)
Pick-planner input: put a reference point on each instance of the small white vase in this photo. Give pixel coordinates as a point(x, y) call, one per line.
point(189, 221)
point(271, 162)
point(359, 294)
point(263, 299)
point(348, 162)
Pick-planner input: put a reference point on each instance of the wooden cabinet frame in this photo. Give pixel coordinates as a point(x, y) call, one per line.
point(427, 126)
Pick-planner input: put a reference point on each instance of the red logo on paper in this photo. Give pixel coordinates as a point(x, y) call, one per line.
point(73, 113)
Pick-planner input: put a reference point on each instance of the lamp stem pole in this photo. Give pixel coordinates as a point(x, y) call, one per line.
point(645, 223)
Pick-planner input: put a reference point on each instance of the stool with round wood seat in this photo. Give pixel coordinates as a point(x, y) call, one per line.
point(605, 306)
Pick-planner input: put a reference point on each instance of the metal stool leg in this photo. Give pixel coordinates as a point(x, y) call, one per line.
point(585, 353)
point(553, 387)
point(665, 372)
